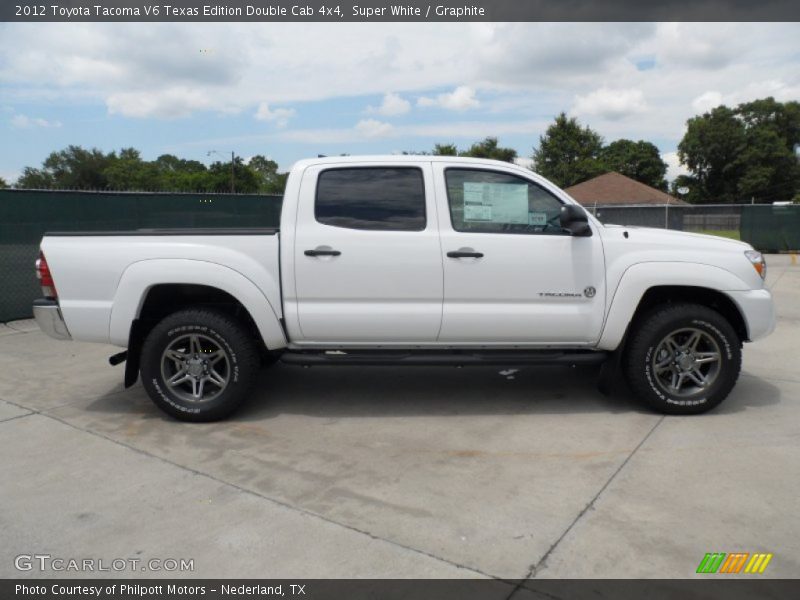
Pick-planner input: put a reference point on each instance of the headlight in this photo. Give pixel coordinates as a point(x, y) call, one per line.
point(757, 260)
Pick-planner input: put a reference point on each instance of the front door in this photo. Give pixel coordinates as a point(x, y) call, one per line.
point(368, 266)
point(511, 275)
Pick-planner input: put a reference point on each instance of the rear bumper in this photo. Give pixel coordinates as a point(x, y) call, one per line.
point(758, 310)
point(50, 320)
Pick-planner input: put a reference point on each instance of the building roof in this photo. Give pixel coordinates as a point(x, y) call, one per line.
point(615, 188)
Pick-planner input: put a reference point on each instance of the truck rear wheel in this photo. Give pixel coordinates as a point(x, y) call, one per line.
point(199, 365)
point(683, 359)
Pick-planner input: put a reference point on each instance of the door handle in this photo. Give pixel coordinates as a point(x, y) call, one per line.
point(318, 252)
point(464, 254)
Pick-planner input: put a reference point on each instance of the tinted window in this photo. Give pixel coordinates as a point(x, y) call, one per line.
point(386, 199)
point(491, 202)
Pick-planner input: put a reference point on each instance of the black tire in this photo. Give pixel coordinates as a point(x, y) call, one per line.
point(201, 337)
point(652, 344)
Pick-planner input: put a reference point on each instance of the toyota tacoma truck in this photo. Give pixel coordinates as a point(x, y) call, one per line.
point(410, 260)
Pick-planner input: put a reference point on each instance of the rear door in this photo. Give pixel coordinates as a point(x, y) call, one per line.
point(512, 276)
point(368, 265)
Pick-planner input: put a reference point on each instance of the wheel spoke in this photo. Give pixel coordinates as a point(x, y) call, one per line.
point(701, 358)
point(672, 345)
point(664, 367)
point(665, 360)
point(215, 357)
point(176, 355)
point(194, 345)
point(694, 339)
point(178, 378)
point(681, 377)
point(697, 377)
point(215, 378)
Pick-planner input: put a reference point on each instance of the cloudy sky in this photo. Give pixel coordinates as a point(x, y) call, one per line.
point(295, 90)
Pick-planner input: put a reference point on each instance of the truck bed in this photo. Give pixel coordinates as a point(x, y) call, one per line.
point(101, 275)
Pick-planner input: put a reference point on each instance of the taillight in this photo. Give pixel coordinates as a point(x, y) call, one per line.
point(45, 278)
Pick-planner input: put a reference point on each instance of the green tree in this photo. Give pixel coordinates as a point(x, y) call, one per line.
point(34, 179)
point(445, 150)
point(182, 175)
point(568, 153)
point(770, 167)
point(686, 182)
point(487, 148)
point(769, 171)
point(638, 160)
point(781, 117)
point(129, 172)
point(710, 150)
point(245, 179)
point(745, 153)
point(3, 183)
point(270, 181)
point(71, 168)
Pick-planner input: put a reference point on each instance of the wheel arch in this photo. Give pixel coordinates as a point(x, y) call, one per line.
point(164, 299)
point(660, 295)
point(639, 291)
point(150, 290)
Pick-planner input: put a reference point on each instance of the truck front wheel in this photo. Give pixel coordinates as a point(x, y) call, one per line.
point(199, 365)
point(682, 359)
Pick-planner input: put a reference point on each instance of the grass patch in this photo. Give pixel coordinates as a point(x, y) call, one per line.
point(731, 234)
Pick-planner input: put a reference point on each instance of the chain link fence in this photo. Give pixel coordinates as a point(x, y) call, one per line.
point(25, 215)
point(768, 227)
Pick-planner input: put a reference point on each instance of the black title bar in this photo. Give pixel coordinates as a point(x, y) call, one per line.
point(416, 11)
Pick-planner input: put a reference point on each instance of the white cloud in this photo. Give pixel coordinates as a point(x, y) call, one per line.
point(461, 98)
point(610, 104)
point(392, 105)
point(169, 103)
point(706, 101)
point(10, 176)
point(372, 128)
point(674, 166)
point(25, 122)
point(697, 46)
point(524, 161)
point(464, 131)
point(525, 72)
point(280, 116)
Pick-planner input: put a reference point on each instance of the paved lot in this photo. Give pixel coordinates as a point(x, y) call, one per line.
point(414, 472)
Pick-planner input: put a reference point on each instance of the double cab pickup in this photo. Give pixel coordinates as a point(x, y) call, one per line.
point(410, 260)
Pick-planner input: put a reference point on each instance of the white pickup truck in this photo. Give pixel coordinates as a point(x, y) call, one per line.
point(410, 260)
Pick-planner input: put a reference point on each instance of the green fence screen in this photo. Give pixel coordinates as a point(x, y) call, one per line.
point(25, 215)
point(772, 228)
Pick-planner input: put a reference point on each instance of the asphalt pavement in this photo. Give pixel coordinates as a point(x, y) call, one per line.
point(399, 472)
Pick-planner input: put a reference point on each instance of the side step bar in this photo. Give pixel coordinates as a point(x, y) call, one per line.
point(442, 358)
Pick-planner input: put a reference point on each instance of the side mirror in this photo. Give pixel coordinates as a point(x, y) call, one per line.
point(574, 220)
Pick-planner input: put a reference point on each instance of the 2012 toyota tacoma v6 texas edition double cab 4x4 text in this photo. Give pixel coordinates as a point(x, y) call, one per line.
point(412, 260)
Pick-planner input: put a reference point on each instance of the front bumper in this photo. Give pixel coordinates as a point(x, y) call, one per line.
point(758, 310)
point(49, 319)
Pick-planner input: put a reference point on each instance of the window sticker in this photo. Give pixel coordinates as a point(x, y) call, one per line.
point(477, 212)
point(496, 202)
point(537, 218)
